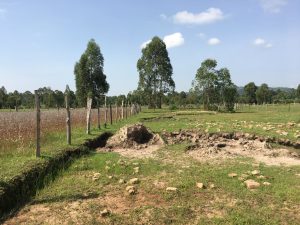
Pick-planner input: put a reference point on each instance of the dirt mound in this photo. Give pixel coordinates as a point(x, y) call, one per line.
point(206, 147)
point(134, 136)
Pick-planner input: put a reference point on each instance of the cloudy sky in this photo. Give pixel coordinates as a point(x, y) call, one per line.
point(257, 40)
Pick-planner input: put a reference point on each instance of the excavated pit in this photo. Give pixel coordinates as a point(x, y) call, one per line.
point(219, 146)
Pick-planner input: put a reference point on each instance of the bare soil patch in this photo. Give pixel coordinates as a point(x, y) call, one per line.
point(134, 141)
point(206, 147)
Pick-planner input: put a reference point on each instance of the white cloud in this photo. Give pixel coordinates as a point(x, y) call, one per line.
point(273, 6)
point(259, 41)
point(262, 43)
point(145, 44)
point(214, 41)
point(211, 15)
point(173, 40)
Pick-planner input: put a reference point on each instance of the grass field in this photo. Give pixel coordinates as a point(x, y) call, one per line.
point(76, 198)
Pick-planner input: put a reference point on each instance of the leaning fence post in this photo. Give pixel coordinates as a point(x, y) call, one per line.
point(105, 113)
point(122, 109)
point(38, 125)
point(110, 112)
point(88, 115)
point(98, 117)
point(68, 120)
point(117, 112)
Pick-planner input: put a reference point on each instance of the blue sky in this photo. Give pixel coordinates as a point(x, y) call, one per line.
point(257, 40)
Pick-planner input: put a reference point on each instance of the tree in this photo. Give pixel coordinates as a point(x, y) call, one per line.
point(27, 99)
point(155, 72)
point(215, 86)
point(298, 91)
point(89, 76)
point(263, 94)
point(3, 97)
point(250, 92)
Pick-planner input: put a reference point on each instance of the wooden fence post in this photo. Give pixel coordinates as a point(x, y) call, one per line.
point(122, 110)
point(110, 112)
point(38, 125)
point(98, 117)
point(68, 119)
point(117, 112)
point(88, 115)
point(105, 113)
point(126, 109)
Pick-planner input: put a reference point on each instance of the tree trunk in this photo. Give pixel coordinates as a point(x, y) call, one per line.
point(88, 115)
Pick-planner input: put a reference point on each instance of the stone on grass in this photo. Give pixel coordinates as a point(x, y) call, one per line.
point(266, 183)
point(171, 189)
point(104, 212)
point(261, 177)
point(134, 181)
point(96, 176)
point(121, 181)
point(251, 184)
point(212, 186)
point(232, 175)
point(131, 190)
point(136, 169)
point(200, 185)
point(255, 172)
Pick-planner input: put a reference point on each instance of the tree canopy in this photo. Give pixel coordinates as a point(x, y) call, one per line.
point(89, 76)
point(155, 72)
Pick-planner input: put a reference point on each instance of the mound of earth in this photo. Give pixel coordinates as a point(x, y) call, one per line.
point(207, 147)
point(135, 137)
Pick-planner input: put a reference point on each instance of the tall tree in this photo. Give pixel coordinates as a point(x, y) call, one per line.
point(89, 76)
point(250, 92)
point(155, 72)
point(263, 94)
point(3, 97)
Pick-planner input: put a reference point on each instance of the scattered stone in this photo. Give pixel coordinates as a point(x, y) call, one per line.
point(135, 163)
point(266, 183)
point(212, 186)
point(110, 177)
point(96, 176)
point(297, 174)
point(121, 181)
point(134, 181)
point(255, 172)
point(200, 185)
point(171, 189)
point(136, 169)
point(107, 167)
point(251, 184)
point(121, 162)
point(232, 175)
point(261, 177)
point(131, 190)
point(284, 133)
point(104, 212)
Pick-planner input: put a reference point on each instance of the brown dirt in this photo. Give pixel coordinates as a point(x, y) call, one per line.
point(219, 148)
point(134, 141)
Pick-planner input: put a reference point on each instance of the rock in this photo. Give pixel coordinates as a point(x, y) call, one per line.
point(200, 185)
point(297, 174)
point(96, 176)
point(266, 183)
point(104, 212)
point(284, 133)
point(134, 181)
point(232, 175)
point(136, 169)
point(121, 181)
point(261, 177)
point(107, 167)
point(131, 190)
point(171, 189)
point(212, 186)
point(135, 163)
point(110, 177)
point(251, 184)
point(255, 172)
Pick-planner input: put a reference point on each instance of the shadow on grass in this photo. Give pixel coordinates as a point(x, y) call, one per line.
point(74, 197)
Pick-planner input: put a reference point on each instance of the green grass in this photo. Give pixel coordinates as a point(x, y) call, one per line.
point(228, 203)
